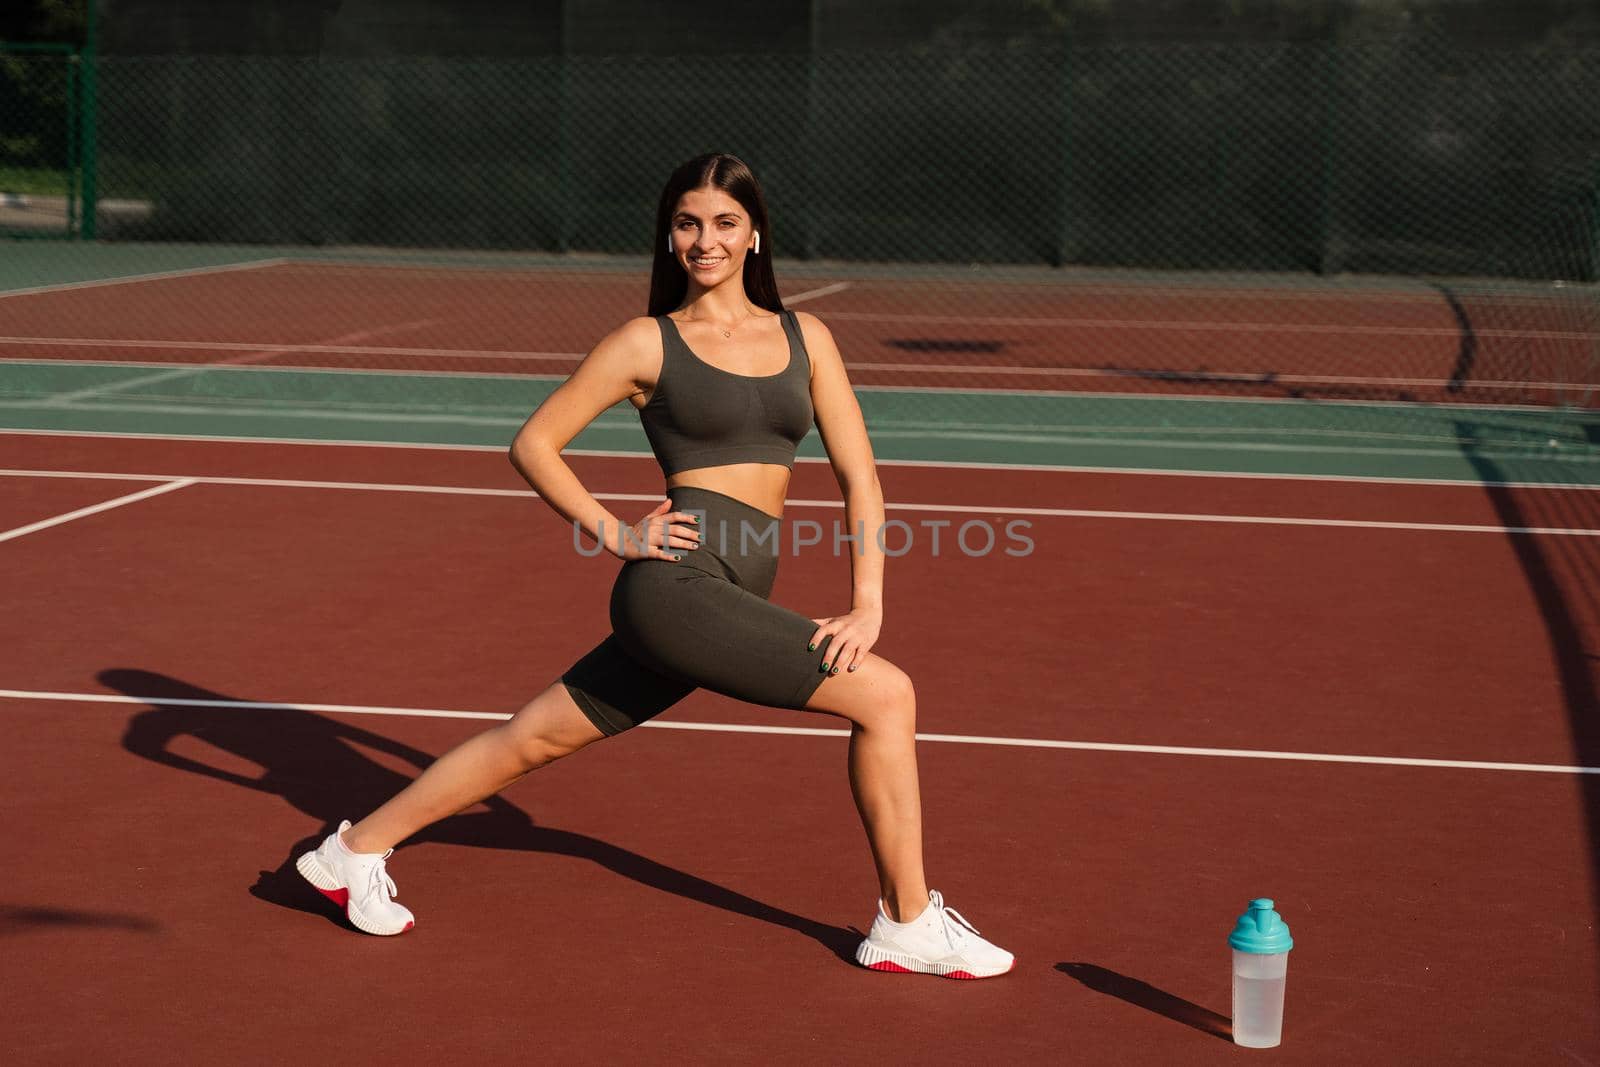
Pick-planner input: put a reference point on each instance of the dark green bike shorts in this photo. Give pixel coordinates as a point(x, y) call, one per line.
point(703, 622)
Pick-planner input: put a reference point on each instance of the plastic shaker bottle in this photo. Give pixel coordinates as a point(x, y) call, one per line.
point(1261, 945)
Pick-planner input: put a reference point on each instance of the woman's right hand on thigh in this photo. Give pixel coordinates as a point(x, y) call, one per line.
point(662, 534)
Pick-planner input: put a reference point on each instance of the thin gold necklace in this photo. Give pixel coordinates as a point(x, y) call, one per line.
point(728, 332)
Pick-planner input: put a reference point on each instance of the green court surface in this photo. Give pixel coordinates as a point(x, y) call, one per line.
point(1555, 444)
point(49, 264)
point(1467, 442)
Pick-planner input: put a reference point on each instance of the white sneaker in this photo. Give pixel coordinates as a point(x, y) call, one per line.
point(939, 941)
point(358, 882)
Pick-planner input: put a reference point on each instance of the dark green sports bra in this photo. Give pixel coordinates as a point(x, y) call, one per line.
point(703, 416)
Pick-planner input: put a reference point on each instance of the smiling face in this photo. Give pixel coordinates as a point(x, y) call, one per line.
point(711, 234)
point(711, 237)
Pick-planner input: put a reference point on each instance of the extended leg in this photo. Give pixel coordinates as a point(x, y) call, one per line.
point(549, 727)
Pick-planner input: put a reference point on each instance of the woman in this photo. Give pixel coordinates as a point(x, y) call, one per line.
point(726, 383)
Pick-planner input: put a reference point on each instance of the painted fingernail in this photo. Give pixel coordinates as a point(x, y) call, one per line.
point(811, 648)
point(834, 671)
point(694, 519)
point(677, 557)
point(851, 667)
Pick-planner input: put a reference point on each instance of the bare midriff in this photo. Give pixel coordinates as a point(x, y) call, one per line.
point(760, 485)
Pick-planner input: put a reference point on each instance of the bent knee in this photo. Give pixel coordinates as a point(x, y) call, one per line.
point(548, 729)
point(549, 748)
point(901, 692)
point(894, 699)
point(538, 749)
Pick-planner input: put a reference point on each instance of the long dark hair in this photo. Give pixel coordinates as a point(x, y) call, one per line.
point(718, 170)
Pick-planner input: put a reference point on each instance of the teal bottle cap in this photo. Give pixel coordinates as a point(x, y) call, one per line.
point(1261, 930)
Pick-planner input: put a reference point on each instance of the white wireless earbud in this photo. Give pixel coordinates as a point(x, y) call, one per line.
point(757, 246)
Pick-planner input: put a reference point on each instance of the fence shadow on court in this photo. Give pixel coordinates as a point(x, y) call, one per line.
point(1146, 996)
point(312, 761)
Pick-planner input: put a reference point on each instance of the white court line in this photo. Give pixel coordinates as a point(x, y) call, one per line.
point(360, 412)
point(1448, 449)
point(1248, 520)
point(332, 411)
point(192, 370)
point(812, 294)
point(1077, 434)
point(1221, 377)
point(602, 453)
point(1387, 290)
point(802, 731)
point(1210, 326)
point(282, 368)
point(959, 509)
point(1213, 399)
point(246, 346)
point(155, 276)
point(1296, 439)
point(1198, 376)
point(95, 509)
point(1237, 287)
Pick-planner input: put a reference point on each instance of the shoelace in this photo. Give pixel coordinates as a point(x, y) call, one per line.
point(953, 934)
point(379, 882)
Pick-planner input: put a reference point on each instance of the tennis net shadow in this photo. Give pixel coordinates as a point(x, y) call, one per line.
point(1563, 577)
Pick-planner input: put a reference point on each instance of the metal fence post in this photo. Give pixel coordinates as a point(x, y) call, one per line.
point(808, 152)
point(74, 164)
point(1329, 252)
point(564, 220)
point(1065, 251)
point(1591, 269)
point(89, 86)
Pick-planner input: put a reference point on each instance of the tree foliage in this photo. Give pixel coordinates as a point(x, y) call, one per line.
point(33, 88)
point(43, 21)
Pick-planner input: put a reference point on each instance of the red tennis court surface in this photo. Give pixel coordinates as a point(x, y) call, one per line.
point(694, 895)
point(1348, 343)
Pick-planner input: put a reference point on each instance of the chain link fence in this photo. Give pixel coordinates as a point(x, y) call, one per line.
point(1272, 158)
point(1344, 222)
point(40, 124)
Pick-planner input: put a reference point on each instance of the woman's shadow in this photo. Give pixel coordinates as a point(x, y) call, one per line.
point(312, 762)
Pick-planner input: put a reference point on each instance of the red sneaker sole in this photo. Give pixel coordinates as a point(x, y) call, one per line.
point(341, 897)
point(897, 969)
